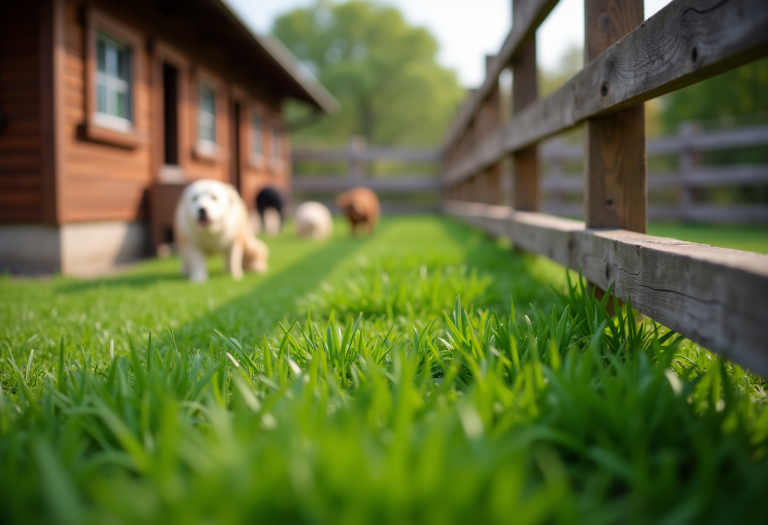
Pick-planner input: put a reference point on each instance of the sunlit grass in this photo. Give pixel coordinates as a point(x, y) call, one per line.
point(426, 375)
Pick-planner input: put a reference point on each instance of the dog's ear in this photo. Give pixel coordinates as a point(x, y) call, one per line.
point(232, 196)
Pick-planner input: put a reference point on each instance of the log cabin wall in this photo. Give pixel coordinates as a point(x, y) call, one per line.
point(20, 126)
point(74, 181)
point(107, 180)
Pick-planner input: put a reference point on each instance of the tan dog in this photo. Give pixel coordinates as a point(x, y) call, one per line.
point(313, 220)
point(212, 218)
point(361, 206)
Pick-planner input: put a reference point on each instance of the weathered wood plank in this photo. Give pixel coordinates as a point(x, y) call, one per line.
point(684, 43)
point(714, 296)
point(527, 18)
point(369, 154)
point(409, 185)
point(740, 175)
point(709, 141)
point(615, 194)
point(526, 191)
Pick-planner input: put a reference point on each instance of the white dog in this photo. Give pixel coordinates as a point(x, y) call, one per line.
point(211, 217)
point(313, 220)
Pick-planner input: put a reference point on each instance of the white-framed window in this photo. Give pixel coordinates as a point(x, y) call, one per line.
point(257, 135)
point(113, 83)
point(207, 116)
point(276, 141)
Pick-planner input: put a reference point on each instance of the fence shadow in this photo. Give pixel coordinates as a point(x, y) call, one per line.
point(271, 300)
point(541, 277)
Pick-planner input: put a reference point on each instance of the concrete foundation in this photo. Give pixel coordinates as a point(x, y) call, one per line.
point(81, 249)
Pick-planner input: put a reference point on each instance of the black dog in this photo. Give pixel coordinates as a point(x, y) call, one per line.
point(270, 197)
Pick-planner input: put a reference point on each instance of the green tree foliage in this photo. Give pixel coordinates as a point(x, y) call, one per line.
point(725, 98)
point(736, 98)
point(382, 70)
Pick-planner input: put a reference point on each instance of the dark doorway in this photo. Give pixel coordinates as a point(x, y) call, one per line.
point(171, 114)
point(236, 145)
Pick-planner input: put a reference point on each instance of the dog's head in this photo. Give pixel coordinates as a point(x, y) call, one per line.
point(208, 202)
point(352, 205)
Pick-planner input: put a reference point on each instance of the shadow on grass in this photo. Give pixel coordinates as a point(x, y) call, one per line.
point(272, 299)
point(132, 278)
point(527, 278)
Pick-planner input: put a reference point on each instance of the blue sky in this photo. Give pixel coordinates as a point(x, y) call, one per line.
point(467, 30)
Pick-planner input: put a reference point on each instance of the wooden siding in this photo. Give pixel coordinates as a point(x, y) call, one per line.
point(255, 176)
point(102, 181)
point(20, 138)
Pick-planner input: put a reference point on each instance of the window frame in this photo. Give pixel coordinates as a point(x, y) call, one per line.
point(278, 147)
point(205, 150)
point(113, 84)
point(212, 144)
point(102, 127)
point(256, 158)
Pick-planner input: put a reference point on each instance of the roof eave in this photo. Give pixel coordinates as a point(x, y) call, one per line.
point(314, 91)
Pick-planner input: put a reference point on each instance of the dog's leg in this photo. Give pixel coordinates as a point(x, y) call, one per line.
point(195, 264)
point(235, 260)
point(184, 261)
point(182, 246)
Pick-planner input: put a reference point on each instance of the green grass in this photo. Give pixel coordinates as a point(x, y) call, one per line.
point(749, 238)
point(390, 401)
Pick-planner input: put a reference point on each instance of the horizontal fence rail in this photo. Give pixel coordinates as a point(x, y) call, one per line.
point(359, 158)
point(715, 297)
point(682, 44)
point(689, 175)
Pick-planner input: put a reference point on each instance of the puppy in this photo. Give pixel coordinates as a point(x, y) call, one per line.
point(269, 204)
point(313, 220)
point(212, 218)
point(361, 207)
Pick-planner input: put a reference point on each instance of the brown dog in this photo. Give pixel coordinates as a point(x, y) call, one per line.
point(361, 206)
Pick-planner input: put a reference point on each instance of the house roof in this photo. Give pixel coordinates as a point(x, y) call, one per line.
point(284, 71)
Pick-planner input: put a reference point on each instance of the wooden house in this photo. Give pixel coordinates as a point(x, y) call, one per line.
point(108, 108)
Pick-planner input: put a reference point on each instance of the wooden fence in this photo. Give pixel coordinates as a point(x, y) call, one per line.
point(556, 182)
point(716, 297)
point(359, 158)
point(689, 176)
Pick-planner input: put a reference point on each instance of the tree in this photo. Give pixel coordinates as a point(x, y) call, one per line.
point(382, 70)
point(726, 98)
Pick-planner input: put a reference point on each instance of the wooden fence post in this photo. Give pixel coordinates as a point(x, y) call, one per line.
point(687, 162)
point(615, 170)
point(615, 179)
point(557, 169)
point(526, 194)
point(357, 167)
point(492, 175)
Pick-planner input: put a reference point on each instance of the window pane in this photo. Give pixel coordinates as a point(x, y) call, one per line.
point(101, 56)
point(207, 133)
point(101, 98)
point(122, 105)
point(111, 60)
point(207, 100)
point(276, 142)
point(122, 64)
point(113, 78)
point(207, 117)
point(257, 134)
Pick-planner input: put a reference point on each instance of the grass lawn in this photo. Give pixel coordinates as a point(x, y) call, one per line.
point(351, 385)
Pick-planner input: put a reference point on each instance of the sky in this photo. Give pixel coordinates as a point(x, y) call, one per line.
point(466, 30)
